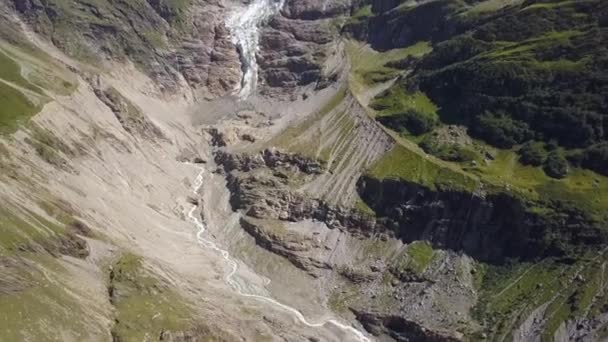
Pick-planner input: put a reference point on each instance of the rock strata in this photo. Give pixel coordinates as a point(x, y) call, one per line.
point(296, 248)
point(132, 119)
point(489, 227)
point(296, 47)
point(266, 187)
point(174, 45)
point(399, 328)
point(265, 196)
point(269, 159)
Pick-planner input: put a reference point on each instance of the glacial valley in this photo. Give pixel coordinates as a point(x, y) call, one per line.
point(303, 170)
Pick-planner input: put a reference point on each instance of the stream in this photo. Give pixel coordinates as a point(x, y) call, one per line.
point(200, 235)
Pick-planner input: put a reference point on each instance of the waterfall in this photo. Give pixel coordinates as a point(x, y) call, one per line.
point(244, 24)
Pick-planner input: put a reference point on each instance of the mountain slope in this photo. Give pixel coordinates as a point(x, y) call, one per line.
point(395, 170)
point(485, 65)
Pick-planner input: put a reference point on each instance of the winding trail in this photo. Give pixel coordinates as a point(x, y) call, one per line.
point(198, 184)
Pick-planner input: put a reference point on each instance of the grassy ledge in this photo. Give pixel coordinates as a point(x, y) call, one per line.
point(145, 307)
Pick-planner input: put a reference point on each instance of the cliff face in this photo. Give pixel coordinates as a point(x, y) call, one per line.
point(178, 43)
point(187, 44)
point(400, 329)
point(300, 47)
point(491, 228)
point(316, 9)
point(260, 185)
point(360, 259)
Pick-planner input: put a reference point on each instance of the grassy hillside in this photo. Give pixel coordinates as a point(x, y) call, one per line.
point(531, 72)
point(28, 80)
point(68, 23)
point(145, 306)
point(510, 98)
point(33, 291)
point(527, 80)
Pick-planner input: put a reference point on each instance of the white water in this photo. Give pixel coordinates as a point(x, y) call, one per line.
point(198, 184)
point(244, 23)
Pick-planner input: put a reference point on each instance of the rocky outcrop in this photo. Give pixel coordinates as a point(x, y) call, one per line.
point(170, 41)
point(266, 187)
point(266, 196)
point(399, 328)
point(178, 44)
point(269, 159)
point(583, 329)
point(315, 9)
point(358, 275)
point(218, 138)
point(490, 227)
point(296, 46)
point(130, 117)
point(296, 248)
point(206, 57)
point(73, 245)
point(263, 186)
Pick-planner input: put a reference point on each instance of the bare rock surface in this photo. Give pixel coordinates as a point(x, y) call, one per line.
point(133, 194)
point(178, 46)
point(266, 192)
point(297, 46)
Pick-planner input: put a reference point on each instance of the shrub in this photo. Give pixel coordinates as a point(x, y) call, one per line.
point(532, 154)
point(552, 145)
point(544, 67)
point(457, 49)
point(501, 130)
point(448, 152)
point(556, 165)
point(596, 158)
point(575, 158)
point(416, 123)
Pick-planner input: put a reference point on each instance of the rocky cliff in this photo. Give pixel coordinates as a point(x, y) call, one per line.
point(489, 227)
point(178, 43)
point(299, 47)
point(279, 217)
